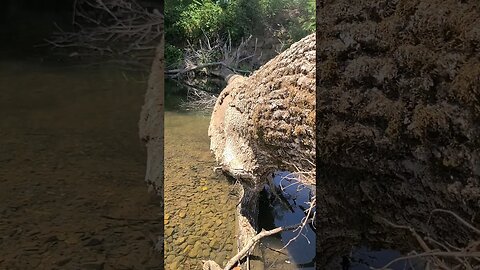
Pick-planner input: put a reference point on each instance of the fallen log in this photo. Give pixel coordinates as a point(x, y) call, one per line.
point(264, 123)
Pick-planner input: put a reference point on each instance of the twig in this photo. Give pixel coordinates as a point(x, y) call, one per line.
point(460, 254)
point(468, 225)
point(432, 254)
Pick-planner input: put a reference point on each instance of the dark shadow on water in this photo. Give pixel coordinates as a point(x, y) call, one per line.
point(302, 252)
point(274, 213)
point(364, 258)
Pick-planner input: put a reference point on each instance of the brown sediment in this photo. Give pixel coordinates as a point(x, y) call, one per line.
point(71, 171)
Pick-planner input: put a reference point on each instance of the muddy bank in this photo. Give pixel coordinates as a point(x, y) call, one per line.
point(398, 116)
point(72, 193)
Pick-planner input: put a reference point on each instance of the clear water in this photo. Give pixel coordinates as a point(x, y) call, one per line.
point(72, 168)
point(301, 251)
point(199, 209)
point(192, 187)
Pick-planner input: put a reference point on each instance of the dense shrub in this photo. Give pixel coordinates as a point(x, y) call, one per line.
point(190, 20)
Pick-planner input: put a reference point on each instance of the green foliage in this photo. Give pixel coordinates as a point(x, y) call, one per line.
point(173, 55)
point(189, 20)
point(200, 17)
point(309, 24)
point(243, 18)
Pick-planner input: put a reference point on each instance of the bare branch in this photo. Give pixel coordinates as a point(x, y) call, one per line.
point(111, 28)
point(249, 246)
point(435, 257)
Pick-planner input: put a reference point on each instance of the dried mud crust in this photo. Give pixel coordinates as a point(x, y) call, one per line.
point(399, 103)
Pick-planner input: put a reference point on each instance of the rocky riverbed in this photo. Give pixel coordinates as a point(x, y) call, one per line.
point(72, 192)
point(199, 204)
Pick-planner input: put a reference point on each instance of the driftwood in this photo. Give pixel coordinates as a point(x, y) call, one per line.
point(264, 123)
point(151, 130)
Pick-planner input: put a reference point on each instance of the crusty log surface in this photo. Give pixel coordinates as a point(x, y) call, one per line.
point(398, 109)
point(266, 121)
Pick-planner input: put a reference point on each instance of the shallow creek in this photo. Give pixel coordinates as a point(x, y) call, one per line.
point(199, 212)
point(72, 168)
point(200, 204)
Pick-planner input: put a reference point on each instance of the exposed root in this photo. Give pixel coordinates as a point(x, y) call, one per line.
point(444, 255)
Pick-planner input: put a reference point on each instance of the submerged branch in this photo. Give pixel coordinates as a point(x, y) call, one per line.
point(211, 265)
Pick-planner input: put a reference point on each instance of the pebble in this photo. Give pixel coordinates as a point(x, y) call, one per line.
point(206, 253)
point(214, 244)
point(174, 265)
point(194, 252)
point(187, 249)
point(180, 240)
point(200, 222)
point(168, 232)
point(74, 240)
point(63, 261)
point(94, 242)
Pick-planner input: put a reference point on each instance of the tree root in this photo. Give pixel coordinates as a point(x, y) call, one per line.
point(466, 258)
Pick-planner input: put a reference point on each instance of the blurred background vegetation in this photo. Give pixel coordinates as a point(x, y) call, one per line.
point(187, 21)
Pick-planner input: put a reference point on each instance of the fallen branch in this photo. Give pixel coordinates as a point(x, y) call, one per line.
point(211, 265)
point(175, 73)
point(118, 28)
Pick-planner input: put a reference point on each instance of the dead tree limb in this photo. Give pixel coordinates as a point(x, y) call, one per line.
point(113, 28)
point(211, 265)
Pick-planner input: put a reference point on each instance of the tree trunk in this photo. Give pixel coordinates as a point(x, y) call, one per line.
point(265, 123)
point(398, 120)
point(151, 130)
point(151, 121)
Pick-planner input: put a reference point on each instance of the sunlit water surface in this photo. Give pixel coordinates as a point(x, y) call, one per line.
point(200, 204)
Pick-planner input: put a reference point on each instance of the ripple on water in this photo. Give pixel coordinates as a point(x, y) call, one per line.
point(199, 212)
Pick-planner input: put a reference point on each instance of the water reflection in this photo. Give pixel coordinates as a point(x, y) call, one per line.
point(286, 210)
point(363, 258)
